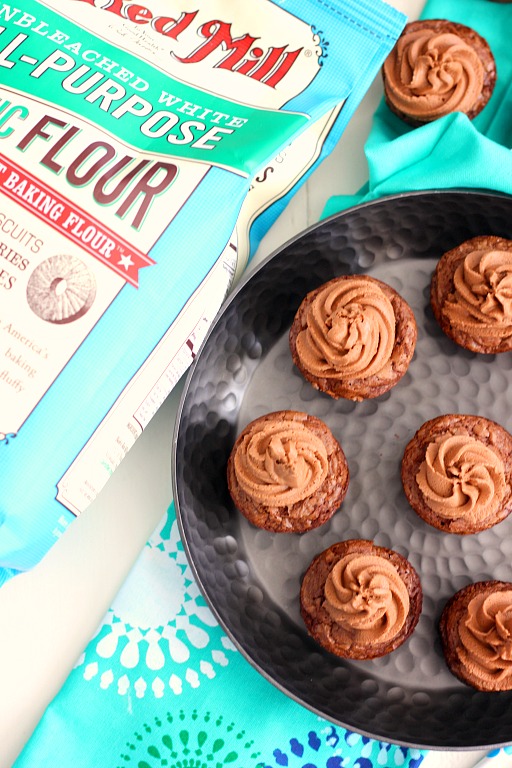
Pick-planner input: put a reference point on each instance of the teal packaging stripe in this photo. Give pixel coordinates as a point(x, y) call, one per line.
point(383, 24)
point(161, 686)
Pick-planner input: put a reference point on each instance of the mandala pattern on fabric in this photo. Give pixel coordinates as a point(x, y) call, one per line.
point(205, 741)
point(329, 747)
point(159, 635)
point(194, 741)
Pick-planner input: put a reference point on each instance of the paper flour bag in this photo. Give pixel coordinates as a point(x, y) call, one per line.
point(134, 142)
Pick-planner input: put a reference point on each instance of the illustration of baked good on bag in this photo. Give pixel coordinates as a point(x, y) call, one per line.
point(61, 289)
point(55, 301)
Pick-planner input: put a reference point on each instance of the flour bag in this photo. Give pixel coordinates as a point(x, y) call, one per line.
point(145, 148)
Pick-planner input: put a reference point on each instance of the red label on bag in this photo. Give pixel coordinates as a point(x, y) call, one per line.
point(72, 221)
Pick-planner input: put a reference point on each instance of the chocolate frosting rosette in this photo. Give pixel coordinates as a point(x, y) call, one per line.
point(476, 633)
point(359, 600)
point(471, 294)
point(438, 67)
point(462, 478)
point(457, 473)
point(366, 598)
point(287, 472)
point(353, 337)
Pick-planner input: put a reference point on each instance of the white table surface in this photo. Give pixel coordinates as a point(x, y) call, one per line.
point(65, 597)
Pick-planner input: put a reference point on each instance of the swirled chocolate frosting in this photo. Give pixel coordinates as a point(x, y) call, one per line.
point(350, 331)
point(461, 477)
point(431, 73)
point(481, 303)
point(367, 598)
point(280, 462)
point(485, 632)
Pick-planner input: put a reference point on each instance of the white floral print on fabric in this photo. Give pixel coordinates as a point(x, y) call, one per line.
point(159, 635)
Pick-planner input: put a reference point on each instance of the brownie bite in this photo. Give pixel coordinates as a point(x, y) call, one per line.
point(457, 473)
point(287, 473)
point(359, 600)
point(471, 294)
point(476, 635)
point(353, 337)
point(438, 67)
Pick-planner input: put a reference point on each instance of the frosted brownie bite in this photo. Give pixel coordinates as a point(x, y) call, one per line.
point(359, 600)
point(457, 473)
point(471, 294)
point(476, 632)
point(438, 67)
point(287, 473)
point(353, 337)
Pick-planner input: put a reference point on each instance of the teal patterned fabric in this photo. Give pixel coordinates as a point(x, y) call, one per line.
point(160, 685)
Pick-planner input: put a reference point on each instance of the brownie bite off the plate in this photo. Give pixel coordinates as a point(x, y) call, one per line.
point(438, 67)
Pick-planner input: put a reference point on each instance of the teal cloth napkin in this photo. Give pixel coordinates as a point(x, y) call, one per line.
point(452, 152)
point(160, 685)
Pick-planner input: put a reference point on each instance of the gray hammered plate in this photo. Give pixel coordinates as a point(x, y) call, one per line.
point(251, 578)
